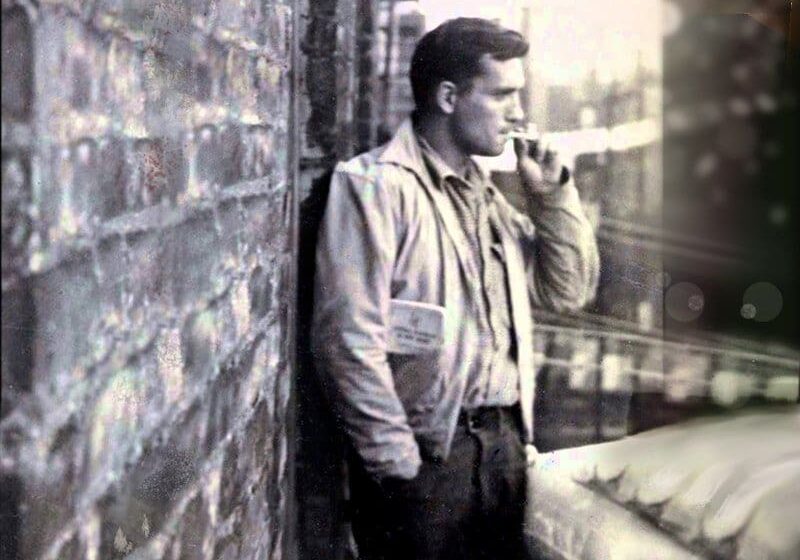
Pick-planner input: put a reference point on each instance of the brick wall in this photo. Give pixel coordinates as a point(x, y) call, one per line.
point(148, 274)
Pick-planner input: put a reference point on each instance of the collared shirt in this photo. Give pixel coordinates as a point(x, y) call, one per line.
point(472, 198)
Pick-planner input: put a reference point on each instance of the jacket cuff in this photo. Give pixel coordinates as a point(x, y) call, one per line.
point(564, 195)
point(406, 467)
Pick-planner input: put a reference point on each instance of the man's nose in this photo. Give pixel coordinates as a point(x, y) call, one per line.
point(515, 113)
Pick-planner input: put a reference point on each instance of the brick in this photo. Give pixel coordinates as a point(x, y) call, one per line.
point(113, 174)
point(197, 255)
point(85, 194)
point(230, 155)
point(71, 102)
point(130, 179)
point(17, 63)
point(116, 418)
point(270, 78)
point(55, 172)
point(259, 432)
point(227, 549)
point(194, 528)
point(63, 298)
point(151, 177)
point(276, 28)
point(167, 86)
point(74, 549)
point(257, 525)
point(222, 407)
point(18, 340)
point(48, 504)
point(226, 324)
point(234, 481)
point(231, 16)
point(239, 301)
point(263, 372)
point(203, 81)
point(167, 17)
point(208, 159)
point(11, 492)
point(260, 288)
point(175, 166)
point(81, 94)
point(260, 231)
point(254, 20)
point(200, 344)
point(16, 223)
point(240, 91)
point(124, 94)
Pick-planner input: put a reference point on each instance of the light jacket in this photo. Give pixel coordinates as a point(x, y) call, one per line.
point(390, 233)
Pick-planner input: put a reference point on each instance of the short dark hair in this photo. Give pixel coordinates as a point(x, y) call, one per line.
point(452, 52)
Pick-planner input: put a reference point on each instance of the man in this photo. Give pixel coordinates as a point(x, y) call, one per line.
point(439, 420)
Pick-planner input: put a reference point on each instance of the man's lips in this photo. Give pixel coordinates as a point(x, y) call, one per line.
point(524, 135)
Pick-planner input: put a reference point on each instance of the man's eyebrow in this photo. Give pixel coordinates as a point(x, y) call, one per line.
point(505, 90)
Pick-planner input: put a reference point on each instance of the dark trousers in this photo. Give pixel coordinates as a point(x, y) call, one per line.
point(470, 506)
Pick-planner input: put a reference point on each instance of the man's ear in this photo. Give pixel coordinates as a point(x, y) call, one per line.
point(446, 96)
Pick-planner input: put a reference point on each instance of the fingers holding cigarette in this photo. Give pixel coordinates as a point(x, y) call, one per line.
point(533, 141)
point(528, 146)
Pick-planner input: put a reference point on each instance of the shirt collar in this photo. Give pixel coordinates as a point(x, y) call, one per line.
point(474, 177)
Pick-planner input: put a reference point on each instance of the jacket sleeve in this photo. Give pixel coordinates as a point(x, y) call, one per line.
point(562, 260)
point(355, 260)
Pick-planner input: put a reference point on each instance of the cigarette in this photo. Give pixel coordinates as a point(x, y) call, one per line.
point(530, 133)
point(525, 135)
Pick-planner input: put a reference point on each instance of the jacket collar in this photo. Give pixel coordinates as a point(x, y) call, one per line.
point(404, 149)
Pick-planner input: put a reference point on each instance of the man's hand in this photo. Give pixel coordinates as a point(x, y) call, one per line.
point(541, 170)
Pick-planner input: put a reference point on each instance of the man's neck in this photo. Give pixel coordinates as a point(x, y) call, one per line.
point(437, 135)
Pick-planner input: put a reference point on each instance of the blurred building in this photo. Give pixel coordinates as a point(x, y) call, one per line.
point(655, 347)
point(563, 108)
point(730, 124)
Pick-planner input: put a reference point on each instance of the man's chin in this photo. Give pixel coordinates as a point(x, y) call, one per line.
point(492, 151)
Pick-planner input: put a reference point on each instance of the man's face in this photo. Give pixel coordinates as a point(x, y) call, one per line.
point(487, 110)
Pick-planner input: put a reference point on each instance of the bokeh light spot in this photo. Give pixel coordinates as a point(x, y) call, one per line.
point(684, 302)
point(741, 72)
point(778, 215)
point(767, 300)
point(696, 302)
point(677, 120)
point(740, 107)
point(748, 311)
point(766, 103)
point(706, 165)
